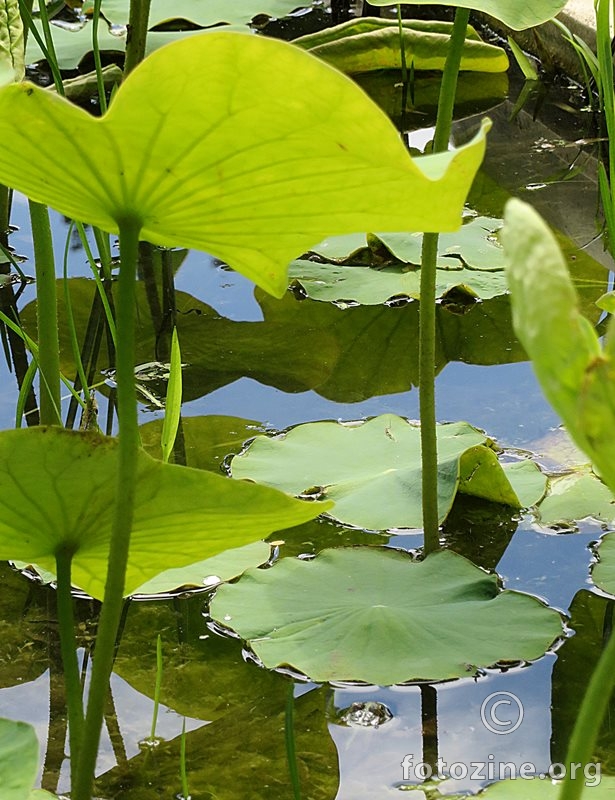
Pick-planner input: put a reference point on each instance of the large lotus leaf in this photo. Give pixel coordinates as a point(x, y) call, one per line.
point(576, 496)
point(354, 27)
point(362, 46)
point(18, 759)
point(576, 376)
point(517, 14)
point(376, 616)
point(603, 573)
point(269, 179)
point(12, 64)
point(59, 492)
point(372, 269)
point(372, 470)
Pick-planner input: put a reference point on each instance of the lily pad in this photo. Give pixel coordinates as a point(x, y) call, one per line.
point(517, 14)
point(603, 573)
point(372, 470)
point(371, 269)
point(209, 572)
point(601, 787)
point(212, 12)
point(376, 616)
point(18, 759)
point(370, 44)
point(59, 491)
point(577, 496)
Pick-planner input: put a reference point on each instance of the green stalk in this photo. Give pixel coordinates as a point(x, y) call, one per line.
point(589, 719)
point(68, 647)
point(183, 773)
point(47, 314)
point(100, 81)
point(427, 315)
point(5, 214)
point(157, 687)
point(120, 536)
point(137, 34)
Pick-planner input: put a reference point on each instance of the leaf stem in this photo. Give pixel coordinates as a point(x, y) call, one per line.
point(124, 508)
point(427, 314)
point(137, 34)
point(68, 647)
point(47, 315)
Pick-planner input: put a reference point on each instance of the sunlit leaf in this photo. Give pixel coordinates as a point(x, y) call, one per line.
point(371, 615)
point(577, 496)
point(372, 470)
point(255, 184)
point(369, 44)
point(517, 14)
point(12, 65)
point(601, 786)
point(59, 493)
point(576, 375)
point(18, 759)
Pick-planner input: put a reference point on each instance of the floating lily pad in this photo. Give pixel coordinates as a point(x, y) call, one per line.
point(18, 759)
point(575, 497)
point(211, 12)
point(209, 572)
point(373, 469)
point(370, 44)
point(376, 616)
point(511, 12)
point(374, 268)
point(59, 492)
point(603, 573)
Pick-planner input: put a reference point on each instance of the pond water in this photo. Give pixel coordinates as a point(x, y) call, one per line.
point(352, 741)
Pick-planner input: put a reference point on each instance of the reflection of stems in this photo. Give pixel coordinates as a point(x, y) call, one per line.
point(56, 728)
point(47, 313)
point(182, 763)
point(5, 211)
point(124, 508)
point(427, 319)
point(137, 34)
point(429, 719)
point(289, 732)
point(590, 716)
point(157, 687)
point(68, 644)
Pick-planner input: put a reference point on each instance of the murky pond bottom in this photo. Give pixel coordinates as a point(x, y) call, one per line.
point(257, 364)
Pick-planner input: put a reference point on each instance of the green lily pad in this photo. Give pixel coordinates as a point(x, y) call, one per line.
point(372, 44)
point(603, 573)
point(247, 168)
point(372, 470)
point(59, 491)
point(211, 12)
point(576, 496)
point(19, 754)
point(209, 572)
point(372, 269)
point(376, 616)
point(517, 14)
